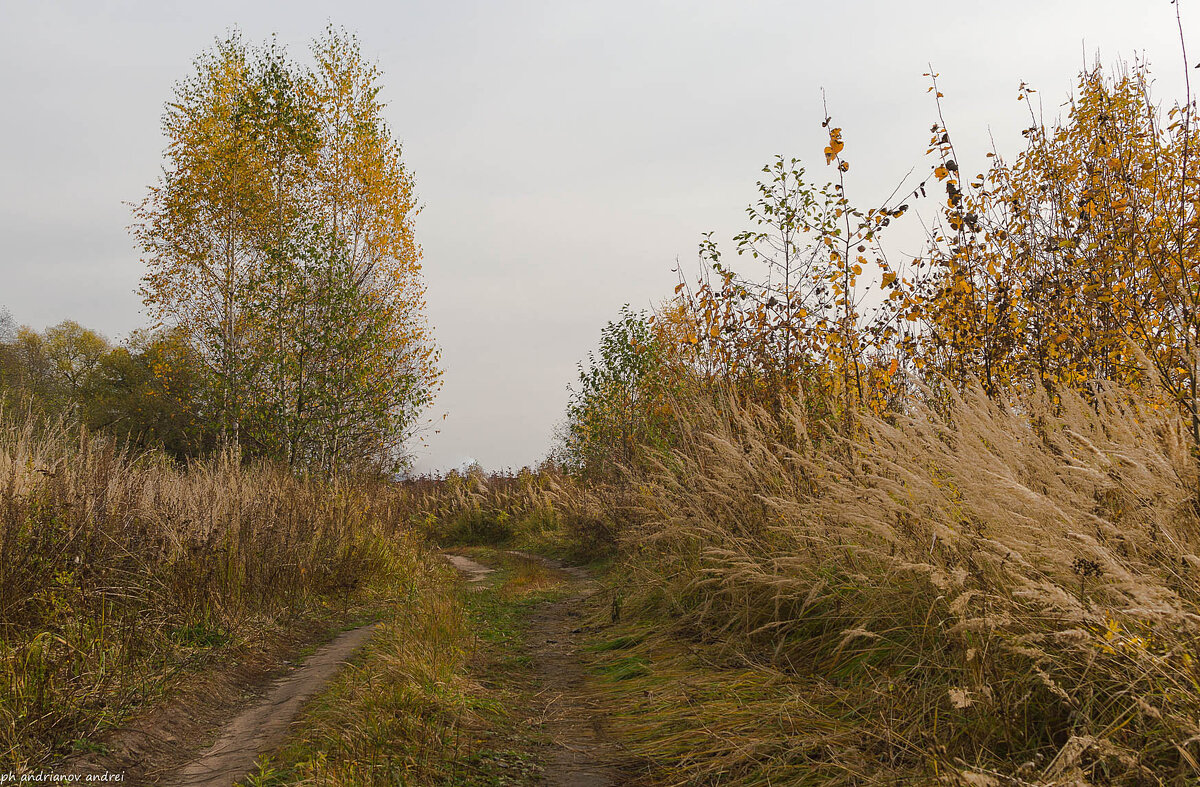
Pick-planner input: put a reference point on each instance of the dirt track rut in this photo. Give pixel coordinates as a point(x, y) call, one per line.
point(262, 727)
point(579, 752)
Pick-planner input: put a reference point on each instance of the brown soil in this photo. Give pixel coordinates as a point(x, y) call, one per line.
point(262, 727)
point(579, 754)
point(475, 572)
point(156, 745)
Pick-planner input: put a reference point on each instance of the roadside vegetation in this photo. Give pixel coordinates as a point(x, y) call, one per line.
point(121, 570)
point(860, 519)
point(217, 487)
point(546, 510)
point(932, 521)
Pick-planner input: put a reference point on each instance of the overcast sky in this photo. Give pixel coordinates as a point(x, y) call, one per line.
point(566, 153)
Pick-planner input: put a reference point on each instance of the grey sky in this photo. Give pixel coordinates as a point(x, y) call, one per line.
point(566, 153)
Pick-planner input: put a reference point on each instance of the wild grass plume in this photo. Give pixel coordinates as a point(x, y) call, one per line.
point(982, 591)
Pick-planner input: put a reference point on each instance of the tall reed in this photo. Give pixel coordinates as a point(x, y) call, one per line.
point(544, 509)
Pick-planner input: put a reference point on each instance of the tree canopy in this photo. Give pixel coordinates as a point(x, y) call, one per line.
point(279, 246)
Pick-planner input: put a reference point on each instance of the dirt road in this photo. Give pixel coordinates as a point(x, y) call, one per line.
point(578, 753)
point(262, 727)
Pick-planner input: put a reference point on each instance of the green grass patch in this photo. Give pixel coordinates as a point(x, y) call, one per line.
point(625, 668)
point(622, 642)
point(201, 634)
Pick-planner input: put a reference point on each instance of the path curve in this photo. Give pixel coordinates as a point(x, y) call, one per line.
point(262, 727)
point(476, 572)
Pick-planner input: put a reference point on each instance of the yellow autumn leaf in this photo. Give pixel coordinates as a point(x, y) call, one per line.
point(835, 145)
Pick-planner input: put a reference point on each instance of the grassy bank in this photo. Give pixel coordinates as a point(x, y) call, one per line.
point(119, 571)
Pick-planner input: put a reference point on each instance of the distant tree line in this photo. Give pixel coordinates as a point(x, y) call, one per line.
point(149, 392)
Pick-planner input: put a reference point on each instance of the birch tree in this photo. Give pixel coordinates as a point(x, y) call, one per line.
point(280, 241)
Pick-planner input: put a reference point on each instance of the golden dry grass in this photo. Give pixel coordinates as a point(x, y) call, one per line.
point(440, 694)
point(546, 511)
point(119, 570)
point(985, 593)
point(405, 713)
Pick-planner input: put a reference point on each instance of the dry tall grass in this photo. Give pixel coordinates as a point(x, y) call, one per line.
point(404, 713)
point(118, 570)
point(993, 594)
point(544, 509)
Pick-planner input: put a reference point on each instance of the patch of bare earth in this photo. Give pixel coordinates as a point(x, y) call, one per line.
point(474, 572)
point(246, 709)
point(580, 753)
point(262, 727)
